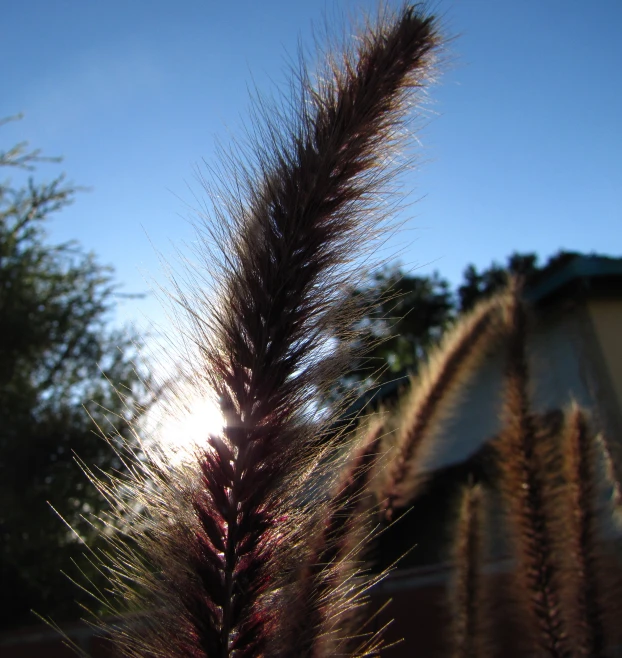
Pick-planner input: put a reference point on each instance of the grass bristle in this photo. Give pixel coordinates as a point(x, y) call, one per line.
point(323, 615)
point(579, 449)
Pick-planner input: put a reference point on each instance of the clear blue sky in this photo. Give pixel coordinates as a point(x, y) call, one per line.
point(524, 151)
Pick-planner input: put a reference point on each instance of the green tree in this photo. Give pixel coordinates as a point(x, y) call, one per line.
point(494, 278)
point(405, 315)
point(57, 354)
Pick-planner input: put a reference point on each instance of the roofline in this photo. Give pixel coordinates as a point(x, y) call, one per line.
point(581, 267)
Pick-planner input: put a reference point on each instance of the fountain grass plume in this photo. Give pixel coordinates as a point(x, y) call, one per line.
point(216, 546)
point(580, 452)
point(522, 483)
point(467, 590)
point(433, 394)
point(323, 618)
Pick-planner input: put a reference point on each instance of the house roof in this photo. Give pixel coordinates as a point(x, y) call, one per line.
point(597, 273)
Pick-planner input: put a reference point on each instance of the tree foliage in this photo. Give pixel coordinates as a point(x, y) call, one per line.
point(405, 315)
point(57, 355)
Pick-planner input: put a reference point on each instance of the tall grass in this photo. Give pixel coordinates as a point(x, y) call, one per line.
point(258, 546)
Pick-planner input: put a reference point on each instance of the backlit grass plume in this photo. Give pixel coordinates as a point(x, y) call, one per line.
point(325, 605)
point(467, 589)
point(432, 397)
point(580, 452)
point(523, 484)
point(219, 544)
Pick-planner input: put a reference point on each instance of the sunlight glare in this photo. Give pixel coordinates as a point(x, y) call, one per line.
point(187, 427)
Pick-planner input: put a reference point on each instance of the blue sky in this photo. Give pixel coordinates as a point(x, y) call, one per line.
point(521, 151)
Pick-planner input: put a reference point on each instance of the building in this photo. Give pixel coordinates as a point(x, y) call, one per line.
point(575, 352)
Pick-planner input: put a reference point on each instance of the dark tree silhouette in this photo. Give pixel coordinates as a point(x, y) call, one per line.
point(56, 355)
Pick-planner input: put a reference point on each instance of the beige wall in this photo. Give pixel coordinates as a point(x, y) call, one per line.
point(575, 353)
point(606, 316)
point(556, 347)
